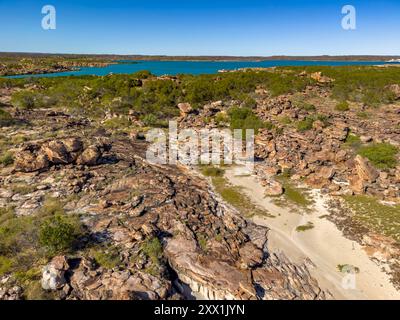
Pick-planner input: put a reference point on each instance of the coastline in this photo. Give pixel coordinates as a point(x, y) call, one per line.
point(200, 68)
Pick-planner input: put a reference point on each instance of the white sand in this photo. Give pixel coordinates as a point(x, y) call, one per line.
point(323, 247)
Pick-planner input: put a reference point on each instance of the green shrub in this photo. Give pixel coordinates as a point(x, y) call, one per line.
point(5, 215)
point(23, 188)
point(6, 159)
point(285, 120)
point(106, 257)
point(306, 106)
point(6, 265)
point(382, 155)
point(305, 124)
point(296, 195)
point(244, 118)
point(149, 120)
point(153, 249)
point(142, 74)
point(353, 141)
point(24, 100)
point(117, 123)
point(345, 268)
point(234, 196)
point(202, 241)
point(212, 171)
point(249, 103)
point(221, 118)
point(16, 233)
point(57, 234)
point(34, 291)
point(51, 207)
point(363, 115)
point(5, 118)
point(305, 227)
point(342, 106)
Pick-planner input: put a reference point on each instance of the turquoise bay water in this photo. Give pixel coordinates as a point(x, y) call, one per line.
point(194, 67)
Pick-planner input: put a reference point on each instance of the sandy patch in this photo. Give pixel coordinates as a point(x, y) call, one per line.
point(322, 247)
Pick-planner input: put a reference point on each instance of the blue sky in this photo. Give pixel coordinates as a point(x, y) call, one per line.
point(206, 27)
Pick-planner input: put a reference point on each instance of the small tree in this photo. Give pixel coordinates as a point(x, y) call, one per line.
point(57, 234)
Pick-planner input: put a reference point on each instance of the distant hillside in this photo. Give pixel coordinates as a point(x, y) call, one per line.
point(202, 58)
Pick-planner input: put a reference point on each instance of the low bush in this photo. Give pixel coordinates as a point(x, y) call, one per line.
point(221, 118)
point(306, 106)
point(382, 155)
point(305, 124)
point(363, 115)
point(5, 265)
point(5, 118)
point(6, 158)
point(285, 120)
point(117, 123)
point(57, 234)
point(342, 106)
point(153, 249)
point(212, 171)
point(244, 118)
point(24, 100)
point(106, 257)
point(353, 141)
point(305, 227)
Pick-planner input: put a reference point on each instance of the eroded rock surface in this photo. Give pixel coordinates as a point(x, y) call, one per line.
point(128, 206)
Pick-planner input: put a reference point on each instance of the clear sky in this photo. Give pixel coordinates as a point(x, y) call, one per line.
point(202, 27)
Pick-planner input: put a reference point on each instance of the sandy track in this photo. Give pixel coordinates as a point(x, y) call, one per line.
point(323, 248)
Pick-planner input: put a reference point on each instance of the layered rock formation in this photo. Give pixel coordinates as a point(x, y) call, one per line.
point(125, 203)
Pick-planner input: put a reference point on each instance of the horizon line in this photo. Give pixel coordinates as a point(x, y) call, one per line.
point(200, 55)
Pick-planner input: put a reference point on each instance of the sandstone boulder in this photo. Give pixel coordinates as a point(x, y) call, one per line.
point(38, 157)
point(273, 188)
point(365, 170)
point(29, 159)
point(73, 145)
point(185, 108)
point(317, 76)
point(89, 156)
point(250, 255)
point(317, 182)
point(326, 172)
point(53, 275)
point(357, 185)
point(56, 152)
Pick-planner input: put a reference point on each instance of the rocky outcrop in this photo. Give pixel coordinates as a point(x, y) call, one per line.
point(320, 156)
point(185, 109)
point(364, 174)
point(365, 170)
point(40, 156)
point(317, 76)
point(89, 283)
point(128, 206)
point(31, 159)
